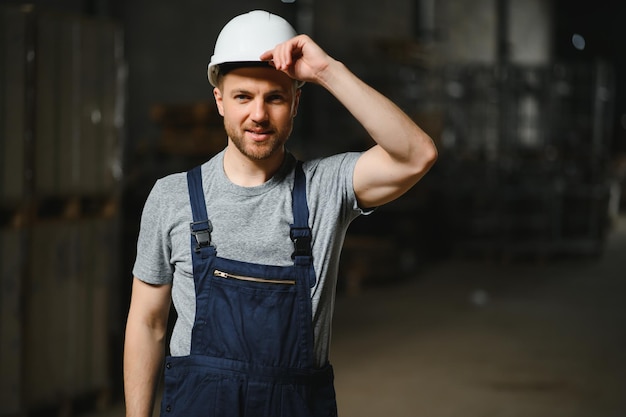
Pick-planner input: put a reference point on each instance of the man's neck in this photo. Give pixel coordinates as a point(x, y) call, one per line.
point(246, 172)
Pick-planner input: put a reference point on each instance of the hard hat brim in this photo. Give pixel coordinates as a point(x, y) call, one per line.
point(215, 70)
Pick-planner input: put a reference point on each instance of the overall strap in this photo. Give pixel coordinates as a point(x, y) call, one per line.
point(301, 236)
point(300, 231)
point(201, 227)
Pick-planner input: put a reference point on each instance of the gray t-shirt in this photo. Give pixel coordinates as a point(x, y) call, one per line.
point(250, 224)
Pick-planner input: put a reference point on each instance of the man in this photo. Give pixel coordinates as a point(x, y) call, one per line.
point(247, 246)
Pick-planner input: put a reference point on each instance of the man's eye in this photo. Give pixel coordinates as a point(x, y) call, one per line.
point(276, 99)
point(241, 97)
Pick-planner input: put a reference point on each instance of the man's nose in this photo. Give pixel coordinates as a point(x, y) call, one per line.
point(259, 111)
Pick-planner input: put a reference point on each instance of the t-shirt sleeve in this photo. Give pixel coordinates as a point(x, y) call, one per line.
point(152, 264)
point(333, 182)
point(348, 162)
point(351, 159)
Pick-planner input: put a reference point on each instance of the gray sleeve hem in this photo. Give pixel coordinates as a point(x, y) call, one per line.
point(150, 277)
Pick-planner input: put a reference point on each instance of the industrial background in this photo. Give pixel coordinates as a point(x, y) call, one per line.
point(494, 288)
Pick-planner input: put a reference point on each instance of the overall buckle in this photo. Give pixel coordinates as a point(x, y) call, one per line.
point(202, 232)
point(301, 238)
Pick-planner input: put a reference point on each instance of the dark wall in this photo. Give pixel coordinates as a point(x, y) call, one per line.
point(601, 23)
point(74, 6)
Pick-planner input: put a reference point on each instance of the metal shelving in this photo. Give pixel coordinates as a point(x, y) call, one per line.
point(527, 157)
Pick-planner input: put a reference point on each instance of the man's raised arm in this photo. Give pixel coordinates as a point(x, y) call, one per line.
point(404, 152)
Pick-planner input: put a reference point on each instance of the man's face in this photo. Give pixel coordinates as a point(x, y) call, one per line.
point(258, 105)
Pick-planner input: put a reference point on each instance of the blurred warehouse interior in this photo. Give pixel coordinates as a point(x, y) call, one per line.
point(526, 101)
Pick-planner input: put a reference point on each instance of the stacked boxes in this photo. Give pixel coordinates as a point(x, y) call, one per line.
point(67, 316)
point(61, 115)
point(78, 73)
point(189, 129)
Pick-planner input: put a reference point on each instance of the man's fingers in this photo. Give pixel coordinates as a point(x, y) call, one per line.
point(266, 56)
point(282, 56)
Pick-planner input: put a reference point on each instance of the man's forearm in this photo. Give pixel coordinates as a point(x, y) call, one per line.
point(404, 152)
point(386, 123)
point(143, 359)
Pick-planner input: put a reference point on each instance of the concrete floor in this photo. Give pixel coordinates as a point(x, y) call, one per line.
point(479, 339)
point(475, 339)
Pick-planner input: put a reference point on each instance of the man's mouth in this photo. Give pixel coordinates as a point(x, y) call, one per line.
point(259, 134)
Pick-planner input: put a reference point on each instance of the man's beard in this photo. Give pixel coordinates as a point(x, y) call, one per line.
point(261, 150)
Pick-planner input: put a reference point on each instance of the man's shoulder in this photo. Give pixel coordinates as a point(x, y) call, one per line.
point(170, 183)
point(332, 162)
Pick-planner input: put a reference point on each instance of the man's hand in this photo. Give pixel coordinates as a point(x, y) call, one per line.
point(300, 58)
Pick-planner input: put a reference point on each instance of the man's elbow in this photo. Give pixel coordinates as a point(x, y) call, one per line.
point(430, 155)
point(424, 157)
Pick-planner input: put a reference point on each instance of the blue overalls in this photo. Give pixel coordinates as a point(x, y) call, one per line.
point(252, 339)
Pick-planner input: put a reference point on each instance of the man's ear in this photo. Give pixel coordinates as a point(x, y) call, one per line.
point(296, 103)
point(218, 100)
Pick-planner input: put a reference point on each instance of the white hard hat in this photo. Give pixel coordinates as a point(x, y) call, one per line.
point(246, 37)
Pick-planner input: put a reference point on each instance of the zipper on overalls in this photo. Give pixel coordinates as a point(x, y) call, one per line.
point(226, 275)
